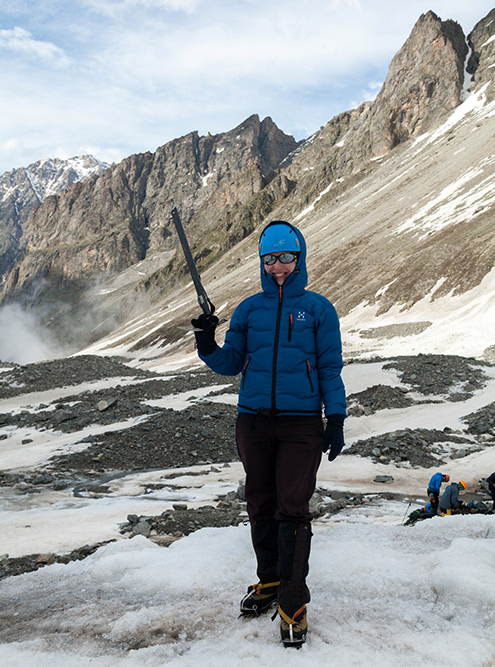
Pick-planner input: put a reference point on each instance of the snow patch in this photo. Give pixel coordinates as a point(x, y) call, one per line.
point(311, 206)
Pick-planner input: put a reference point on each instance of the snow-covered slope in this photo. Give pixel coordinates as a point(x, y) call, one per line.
point(406, 255)
point(47, 177)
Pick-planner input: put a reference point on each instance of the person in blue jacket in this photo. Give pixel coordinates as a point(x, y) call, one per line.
point(285, 340)
point(433, 491)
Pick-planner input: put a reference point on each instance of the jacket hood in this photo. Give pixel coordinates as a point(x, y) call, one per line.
point(298, 279)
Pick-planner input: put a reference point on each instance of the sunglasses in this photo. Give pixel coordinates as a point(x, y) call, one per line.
point(284, 258)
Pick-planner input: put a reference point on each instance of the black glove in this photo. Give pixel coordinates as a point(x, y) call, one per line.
point(205, 339)
point(334, 435)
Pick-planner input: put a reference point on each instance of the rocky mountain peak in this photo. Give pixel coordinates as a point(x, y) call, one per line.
point(25, 188)
point(482, 43)
point(424, 83)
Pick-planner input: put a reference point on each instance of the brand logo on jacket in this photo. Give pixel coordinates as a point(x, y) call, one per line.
point(301, 316)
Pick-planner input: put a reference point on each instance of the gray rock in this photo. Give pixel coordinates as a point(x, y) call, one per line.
point(384, 479)
point(106, 403)
point(241, 491)
point(45, 478)
point(141, 528)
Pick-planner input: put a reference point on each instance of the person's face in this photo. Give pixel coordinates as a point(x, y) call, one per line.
point(278, 270)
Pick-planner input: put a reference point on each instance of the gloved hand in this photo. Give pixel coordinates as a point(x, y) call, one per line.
point(205, 339)
point(334, 436)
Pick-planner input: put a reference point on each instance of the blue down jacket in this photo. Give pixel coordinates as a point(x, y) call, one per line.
point(435, 482)
point(286, 342)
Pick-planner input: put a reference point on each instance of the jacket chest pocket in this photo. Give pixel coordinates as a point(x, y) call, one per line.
point(299, 327)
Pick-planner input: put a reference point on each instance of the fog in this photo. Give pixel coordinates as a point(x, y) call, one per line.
point(23, 339)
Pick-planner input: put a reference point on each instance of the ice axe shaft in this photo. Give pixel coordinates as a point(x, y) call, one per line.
point(405, 514)
point(206, 305)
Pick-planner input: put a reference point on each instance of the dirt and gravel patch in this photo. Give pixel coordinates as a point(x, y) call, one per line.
point(378, 397)
point(455, 378)
point(11, 567)
point(65, 372)
point(482, 422)
point(169, 439)
point(416, 448)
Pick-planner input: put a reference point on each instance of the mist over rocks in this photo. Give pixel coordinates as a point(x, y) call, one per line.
point(101, 227)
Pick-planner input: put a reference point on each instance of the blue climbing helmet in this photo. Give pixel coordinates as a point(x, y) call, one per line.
point(279, 236)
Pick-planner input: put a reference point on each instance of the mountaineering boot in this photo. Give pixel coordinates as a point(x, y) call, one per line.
point(293, 629)
point(293, 593)
point(259, 598)
point(263, 595)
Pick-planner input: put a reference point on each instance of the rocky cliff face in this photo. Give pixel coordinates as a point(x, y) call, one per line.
point(111, 222)
point(423, 85)
point(105, 224)
point(480, 64)
point(22, 190)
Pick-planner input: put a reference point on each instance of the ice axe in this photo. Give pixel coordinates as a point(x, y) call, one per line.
point(405, 513)
point(206, 305)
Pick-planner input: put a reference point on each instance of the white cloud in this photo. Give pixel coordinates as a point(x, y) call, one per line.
point(21, 41)
point(348, 3)
point(113, 7)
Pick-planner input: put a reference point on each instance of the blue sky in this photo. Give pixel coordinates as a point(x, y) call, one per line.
point(116, 77)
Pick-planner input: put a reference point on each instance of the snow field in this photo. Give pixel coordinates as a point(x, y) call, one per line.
point(381, 594)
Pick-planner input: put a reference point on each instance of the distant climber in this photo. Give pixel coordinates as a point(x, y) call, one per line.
point(418, 515)
point(450, 499)
point(434, 491)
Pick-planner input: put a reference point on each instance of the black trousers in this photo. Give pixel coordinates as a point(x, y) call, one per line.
point(434, 498)
point(281, 456)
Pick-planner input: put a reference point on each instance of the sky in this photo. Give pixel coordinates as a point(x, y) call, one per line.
point(116, 77)
point(382, 594)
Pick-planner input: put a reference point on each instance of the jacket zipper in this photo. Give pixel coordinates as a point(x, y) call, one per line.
point(244, 372)
point(291, 324)
point(308, 373)
point(275, 351)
